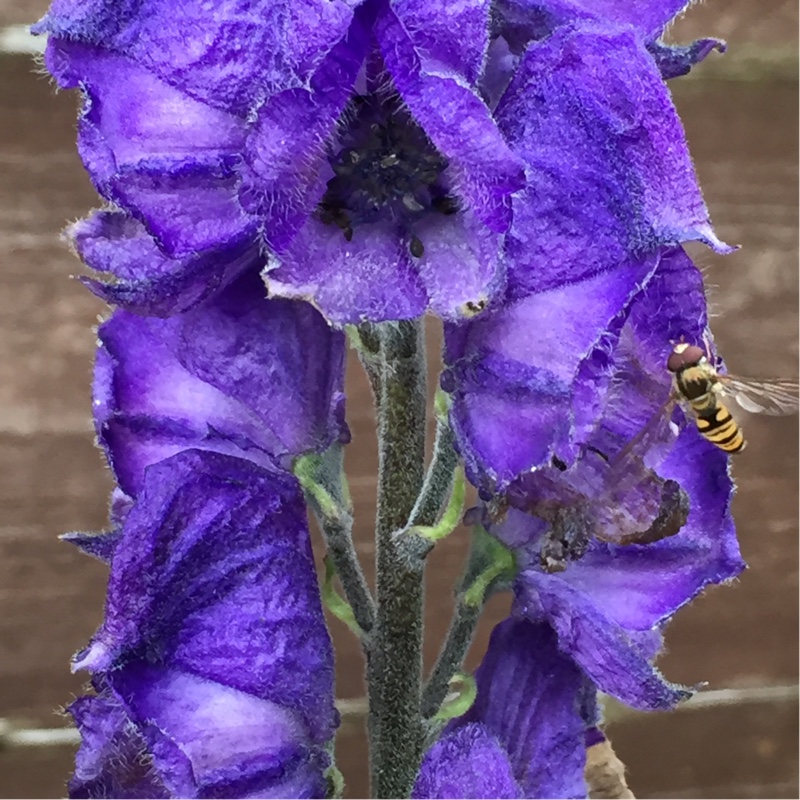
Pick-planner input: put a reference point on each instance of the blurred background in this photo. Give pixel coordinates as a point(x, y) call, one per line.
point(739, 739)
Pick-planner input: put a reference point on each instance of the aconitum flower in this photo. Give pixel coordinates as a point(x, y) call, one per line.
point(213, 668)
point(238, 374)
point(524, 735)
point(554, 359)
point(385, 165)
point(614, 529)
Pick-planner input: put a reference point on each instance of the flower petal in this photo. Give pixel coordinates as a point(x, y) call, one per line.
point(608, 170)
point(98, 545)
point(231, 58)
point(430, 24)
point(371, 277)
point(286, 152)
point(521, 363)
point(243, 375)
point(112, 757)
point(677, 60)
point(610, 657)
point(462, 267)
point(483, 169)
point(146, 280)
point(641, 586)
point(528, 694)
point(236, 745)
point(468, 763)
point(647, 17)
point(153, 150)
point(254, 622)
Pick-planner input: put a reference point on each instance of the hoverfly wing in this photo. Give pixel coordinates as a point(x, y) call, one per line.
point(777, 397)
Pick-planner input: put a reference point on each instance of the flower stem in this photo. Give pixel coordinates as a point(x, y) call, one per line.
point(487, 564)
point(394, 670)
point(325, 486)
point(438, 478)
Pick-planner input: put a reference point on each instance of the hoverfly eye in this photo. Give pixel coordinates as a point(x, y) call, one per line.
point(684, 356)
point(675, 362)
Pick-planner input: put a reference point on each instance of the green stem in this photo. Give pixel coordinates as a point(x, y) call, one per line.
point(325, 486)
point(451, 518)
point(394, 670)
point(488, 563)
point(366, 340)
point(438, 478)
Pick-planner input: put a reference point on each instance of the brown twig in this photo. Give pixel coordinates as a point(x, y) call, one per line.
point(605, 773)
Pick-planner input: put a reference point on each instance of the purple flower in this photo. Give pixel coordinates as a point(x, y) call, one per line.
point(239, 374)
point(559, 362)
point(637, 524)
point(610, 602)
point(524, 736)
point(213, 669)
point(387, 166)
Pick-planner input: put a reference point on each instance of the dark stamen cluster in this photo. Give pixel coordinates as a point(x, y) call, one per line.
point(385, 168)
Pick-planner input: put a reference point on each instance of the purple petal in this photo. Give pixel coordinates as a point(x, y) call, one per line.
point(676, 60)
point(254, 623)
point(647, 17)
point(501, 64)
point(97, 545)
point(286, 150)
point(112, 758)
point(528, 695)
point(611, 658)
point(146, 280)
point(641, 586)
point(608, 169)
point(371, 277)
point(521, 363)
point(468, 763)
point(155, 151)
point(231, 58)
point(94, 21)
point(482, 168)
point(430, 26)
point(153, 407)
point(242, 374)
point(236, 745)
point(607, 605)
point(462, 267)
point(278, 358)
point(673, 305)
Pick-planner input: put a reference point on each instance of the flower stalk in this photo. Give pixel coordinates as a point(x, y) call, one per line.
point(325, 487)
point(394, 671)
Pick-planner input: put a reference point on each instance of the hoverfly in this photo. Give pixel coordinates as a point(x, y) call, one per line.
point(698, 386)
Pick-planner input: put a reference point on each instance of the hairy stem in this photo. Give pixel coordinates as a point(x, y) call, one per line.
point(394, 670)
point(367, 342)
point(325, 485)
point(342, 551)
point(486, 565)
point(438, 478)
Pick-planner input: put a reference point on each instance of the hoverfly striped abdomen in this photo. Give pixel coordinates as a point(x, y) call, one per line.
point(697, 382)
point(720, 428)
